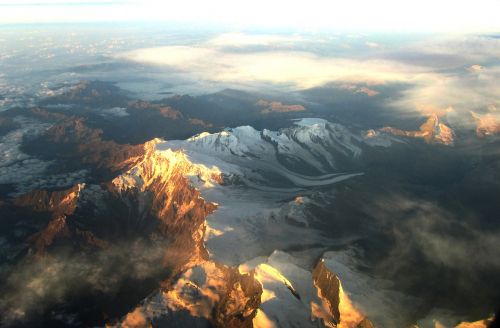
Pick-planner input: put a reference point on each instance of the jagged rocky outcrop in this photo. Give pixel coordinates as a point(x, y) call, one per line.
point(487, 124)
point(432, 131)
point(164, 111)
point(200, 287)
point(220, 295)
point(153, 208)
point(154, 197)
point(57, 202)
point(60, 205)
point(161, 186)
point(88, 94)
point(328, 285)
point(332, 294)
point(155, 192)
point(74, 141)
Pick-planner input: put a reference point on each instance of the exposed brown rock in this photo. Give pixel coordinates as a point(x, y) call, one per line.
point(365, 324)
point(476, 324)
point(197, 121)
point(135, 319)
point(239, 303)
point(165, 111)
point(486, 125)
point(60, 204)
point(164, 194)
point(173, 201)
point(90, 93)
point(328, 285)
point(343, 311)
point(360, 89)
point(48, 115)
point(432, 131)
point(278, 107)
point(223, 296)
point(80, 143)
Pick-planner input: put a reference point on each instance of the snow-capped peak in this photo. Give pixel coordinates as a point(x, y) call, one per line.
point(310, 121)
point(310, 144)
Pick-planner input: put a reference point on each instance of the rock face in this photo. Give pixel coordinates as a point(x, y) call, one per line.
point(277, 107)
point(57, 202)
point(432, 131)
point(331, 292)
point(165, 111)
point(199, 287)
point(60, 205)
point(328, 287)
point(160, 185)
point(153, 210)
point(476, 324)
point(75, 141)
point(88, 94)
point(156, 193)
point(155, 197)
point(487, 124)
point(222, 296)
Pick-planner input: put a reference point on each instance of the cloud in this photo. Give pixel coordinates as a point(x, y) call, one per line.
point(472, 250)
point(15, 166)
point(240, 40)
point(462, 91)
point(297, 69)
point(431, 68)
point(441, 255)
point(372, 44)
point(115, 111)
point(34, 286)
point(447, 83)
point(475, 68)
point(445, 239)
point(460, 72)
point(24, 171)
point(487, 124)
point(456, 51)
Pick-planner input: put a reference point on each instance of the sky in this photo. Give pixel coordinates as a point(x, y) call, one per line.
point(383, 15)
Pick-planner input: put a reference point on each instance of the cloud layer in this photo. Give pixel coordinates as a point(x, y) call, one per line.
point(458, 73)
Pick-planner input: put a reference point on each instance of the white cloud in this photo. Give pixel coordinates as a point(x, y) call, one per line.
point(16, 166)
point(462, 91)
point(237, 39)
point(24, 171)
point(295, 68)
point(475, 68)
point(370, 44)
point(214, 63)
point(115, 111)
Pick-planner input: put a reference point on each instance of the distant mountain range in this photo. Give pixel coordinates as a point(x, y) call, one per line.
point(124, 212)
